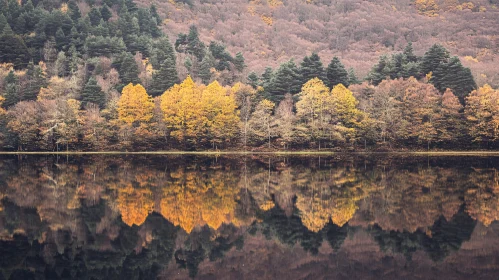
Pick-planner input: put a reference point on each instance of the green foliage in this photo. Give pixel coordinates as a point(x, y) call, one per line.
point(454, 76)
point(311, 67)
point(165, 77)
point(205, 67)
point(285, 80)
point(336, 74)
point(92, 93)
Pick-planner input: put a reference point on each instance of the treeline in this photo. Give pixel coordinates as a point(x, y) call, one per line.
point(113, 83)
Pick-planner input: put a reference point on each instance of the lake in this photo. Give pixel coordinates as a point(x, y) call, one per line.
point(249, 217)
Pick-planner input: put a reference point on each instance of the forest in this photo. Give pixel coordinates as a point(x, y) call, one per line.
point(95, 76)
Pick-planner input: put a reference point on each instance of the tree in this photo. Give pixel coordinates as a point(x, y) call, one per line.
point(13, 49)
point(352, 77)
point(380, 71)
point(35, 80)
point(165, 77)
point(92, 93)
point(432, 59)
point(11, 90)
point(311, 67)
point(450, 126)
point(219, 110)
point(454, 76)
point(482, 114)
point(285, 121)
point(285, 80)
point(313, 110)
point(246, 98)
point(135, 105)
point(260, 123)
point(205, 69)
point(427, 7)
point(129, 72)
point(105, 12)
point(253, 80)
point(182, 112)
point(95, 16)
point(336, 74)
point(239, 62)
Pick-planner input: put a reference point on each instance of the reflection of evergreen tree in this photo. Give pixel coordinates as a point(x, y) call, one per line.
point(446, 237)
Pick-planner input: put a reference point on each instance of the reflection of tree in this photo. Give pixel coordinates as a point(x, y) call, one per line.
point(134, 204)
point(193, 198)
point(442, 238)
point(483, 199)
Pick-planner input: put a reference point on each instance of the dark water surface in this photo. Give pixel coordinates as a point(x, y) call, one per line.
point(249, 217)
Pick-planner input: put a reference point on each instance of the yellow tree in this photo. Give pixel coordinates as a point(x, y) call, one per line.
point(313, 109)
point(482, 113)
point(135, 105)
point(183, 113)
point(260, 123)
point(219, 111)
point(345, 113)
point(427, 7)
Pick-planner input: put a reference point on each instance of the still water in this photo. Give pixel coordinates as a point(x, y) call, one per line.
point(249, 217)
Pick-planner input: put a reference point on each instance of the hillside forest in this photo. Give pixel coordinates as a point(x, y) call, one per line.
point(120, 75)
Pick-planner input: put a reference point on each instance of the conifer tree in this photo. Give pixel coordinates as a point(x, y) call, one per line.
point(205, 67)
point(105, 12)
point(11, 90)
point(311, 67)
point(352, 77)
point(165, 77)
point(92, 93)
point(336, 74)
point(380, 71)
point(74, 11)
point(432, 59)
point(253, 80)
point(285, 80)
point(129, 72)
point(35, 81)
point(13, 49)
point(239, 62)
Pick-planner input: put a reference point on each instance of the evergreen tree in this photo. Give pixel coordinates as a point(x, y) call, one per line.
point(128, 70)
point(336, 74)
point(205, 67)
point(409, 53)
point(380, 71)
point(61, 41)
point(92, 93)
point(454, 76)
point(162, 49)
point(165, 77)
point(13, 49)
point(432, 59)
point(35, 80)
point(3, 21)
point(266, 80)
point(239, 62)
point(253, 79)
point(285, 80)
point(194, 44)
point(105, 12)
point(352, 77)
point(95, 16)
point(11, 90)
point(154, 13)
point(311, 67)
point(220, 54)
point(74, 11)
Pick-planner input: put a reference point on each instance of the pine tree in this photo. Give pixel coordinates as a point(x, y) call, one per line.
point(239, 62)
point(432, 59)
point(95, 16)
point(352, 77)
point(162, 49)
point(266, 80)
point(164, 78)
point(409, 53)
point(13, 49)
point(35, 80)
point(74, 11)
point(194, 44)
point(454, 76)
point(253, 80)
point(11, 90)
point(205, 67)
point(154, 13)
point(105, 12)
point(92, 93)
point(284, 81)
point(336, 74)
point(129, 71)
point(3, 21)
point(311, 67)
point(61, 40)
point(380, 71)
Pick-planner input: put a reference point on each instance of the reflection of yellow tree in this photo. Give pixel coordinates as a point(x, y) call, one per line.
point(191, 199)
point(482, 202)
point(134, 204)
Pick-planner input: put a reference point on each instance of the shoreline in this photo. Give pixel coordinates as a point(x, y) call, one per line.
point(278, 153)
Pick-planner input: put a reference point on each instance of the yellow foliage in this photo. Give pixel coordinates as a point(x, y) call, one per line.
point(134, 204)
point(470, 58)
point(267, 19)
point(64, 7)
point(2, 110)
point(427, 7)
point(135, 105)
point(274, 3)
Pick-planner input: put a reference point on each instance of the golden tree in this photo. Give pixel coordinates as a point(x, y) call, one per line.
point(482, 113)
point(135, 105)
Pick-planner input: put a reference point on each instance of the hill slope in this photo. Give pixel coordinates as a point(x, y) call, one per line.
point(269, 32)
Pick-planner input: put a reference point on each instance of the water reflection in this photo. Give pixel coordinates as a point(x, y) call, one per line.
point(143, 217)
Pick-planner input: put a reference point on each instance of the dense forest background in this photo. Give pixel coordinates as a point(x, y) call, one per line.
point(120, 74)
